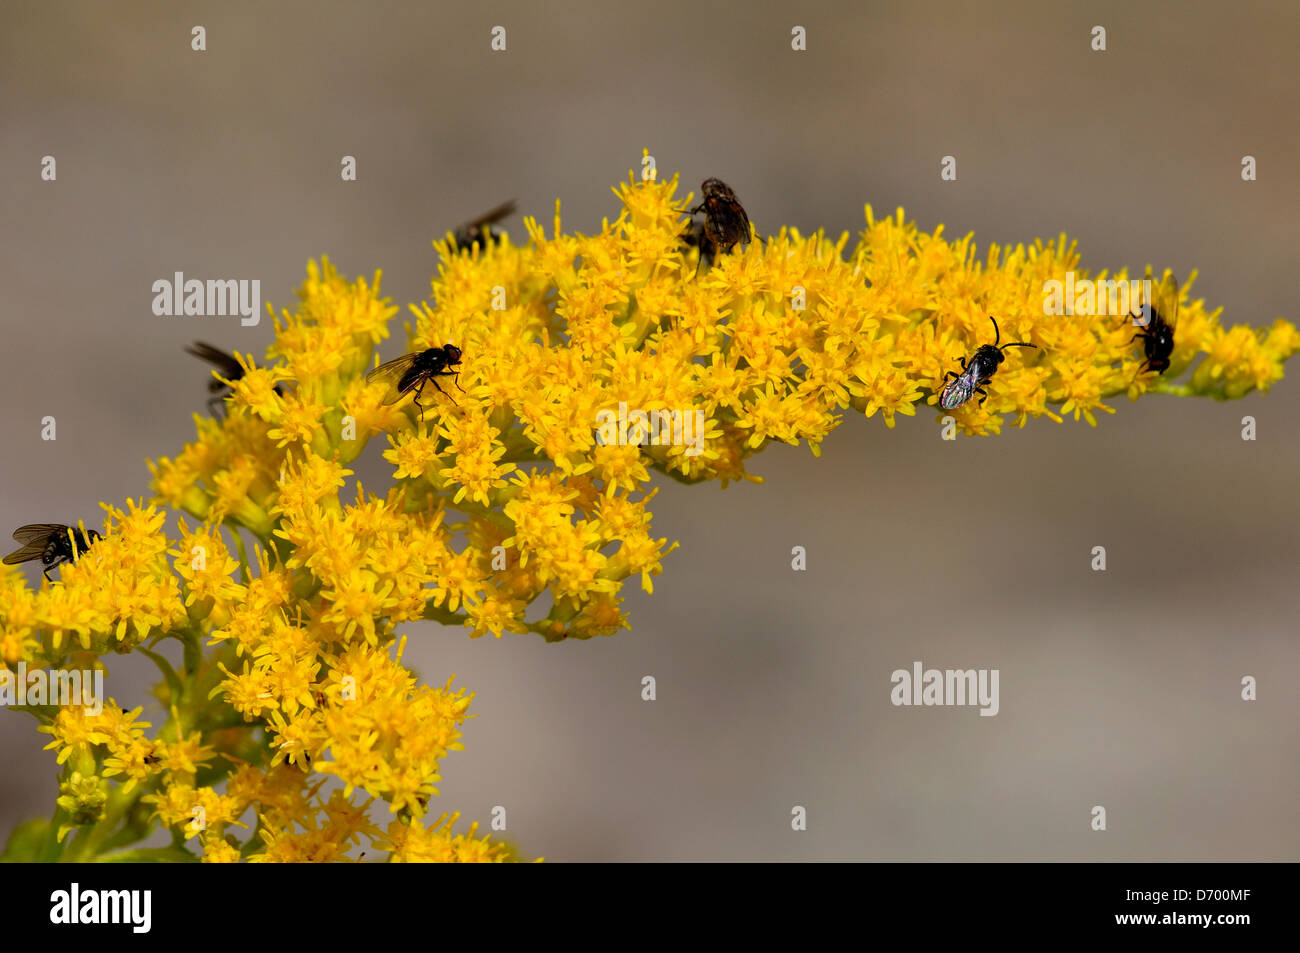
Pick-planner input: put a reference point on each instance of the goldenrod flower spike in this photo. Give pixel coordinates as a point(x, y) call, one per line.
point(589, 362)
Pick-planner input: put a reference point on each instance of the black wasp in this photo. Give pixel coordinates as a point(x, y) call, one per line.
point(478, 233)
point(410, 372)
point(1157, 332)
point(983, 365)
point(52, 543)
point(228, 367)
point(725, 221)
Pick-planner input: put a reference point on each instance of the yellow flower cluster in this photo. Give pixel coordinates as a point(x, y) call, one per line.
point(507, 493)
point(118, 592)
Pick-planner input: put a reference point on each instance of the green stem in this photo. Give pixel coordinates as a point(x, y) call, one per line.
point(193, 651)
point(169, 673)
point(52, 850)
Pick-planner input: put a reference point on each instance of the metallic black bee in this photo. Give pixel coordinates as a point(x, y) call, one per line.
point(478, 233)
point(52, 543)
point(228, 367)
point(983, 365)
point(725, 221)
point(1157, 332)
point(410, 372)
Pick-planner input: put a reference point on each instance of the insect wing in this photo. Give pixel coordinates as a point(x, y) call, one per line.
point(225, 363)
point(492, 217)
point(739, 222)
point(955, 393)
point(391, 374)
point(727, 222)
point(1169, 300)
point(1163, 299)
point(34, 532)
point(476, 233)
point(33, 550)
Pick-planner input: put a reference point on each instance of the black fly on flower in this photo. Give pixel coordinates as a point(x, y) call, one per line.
point(478, 233)
point(1157, 329)
point(726, 223)
point(52, 543)
point(410, 373)
point(228, 367)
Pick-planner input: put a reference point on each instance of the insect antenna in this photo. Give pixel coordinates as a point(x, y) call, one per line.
point(997, 336)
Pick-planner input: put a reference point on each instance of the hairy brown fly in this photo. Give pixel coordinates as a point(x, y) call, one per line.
point(725, 222)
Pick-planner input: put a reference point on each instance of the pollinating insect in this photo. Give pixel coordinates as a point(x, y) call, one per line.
point(1157, 332)
point(52, 543)
point(983, 365)
point(228, 367)
point(725, 221)
point(410, 373)
point(478, 233)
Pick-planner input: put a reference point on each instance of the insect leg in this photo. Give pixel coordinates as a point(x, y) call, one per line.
point(434, 382)
point(54, 564)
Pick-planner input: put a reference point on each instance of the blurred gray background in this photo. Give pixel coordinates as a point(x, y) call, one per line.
point(1118, 688)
